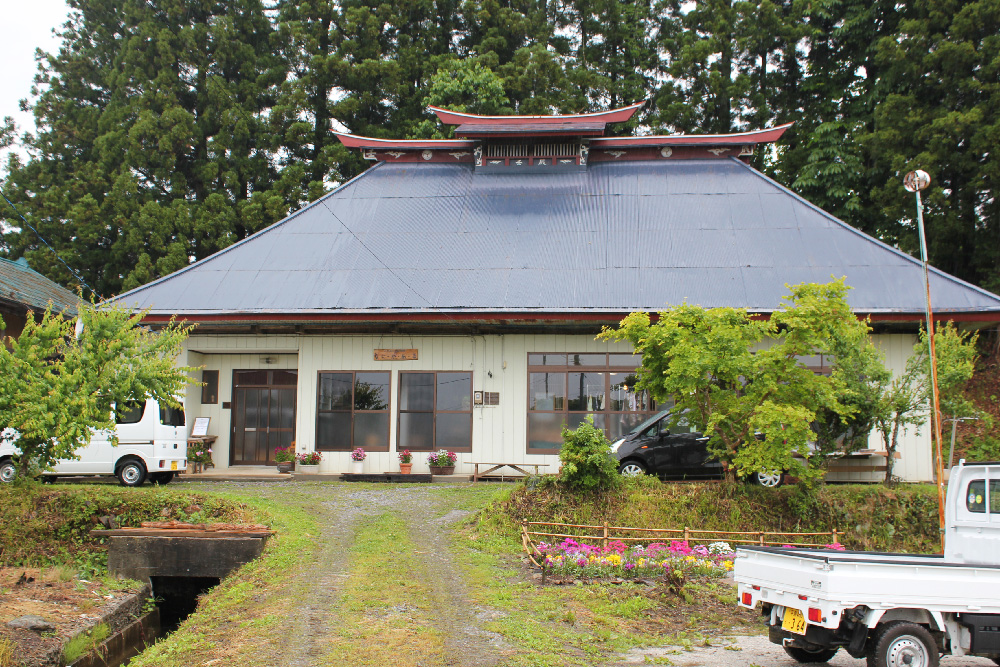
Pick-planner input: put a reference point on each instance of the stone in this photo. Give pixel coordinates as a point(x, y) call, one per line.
point(36, 623)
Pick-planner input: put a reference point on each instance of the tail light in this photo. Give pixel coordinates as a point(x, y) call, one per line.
point(163, 463)
point(747, 599)
point(815, 615)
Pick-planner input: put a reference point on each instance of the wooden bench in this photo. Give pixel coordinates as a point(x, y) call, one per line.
point(520, 467)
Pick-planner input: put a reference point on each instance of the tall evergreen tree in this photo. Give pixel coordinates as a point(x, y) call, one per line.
point(940, 81)
point(154, 146)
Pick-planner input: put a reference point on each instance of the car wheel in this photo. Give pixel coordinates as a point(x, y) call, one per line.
point(8, 472)
point(131, 473)
point(807, 656)
point(632, 468)
point(902, 644)
point(770, 480)
point(161, 477)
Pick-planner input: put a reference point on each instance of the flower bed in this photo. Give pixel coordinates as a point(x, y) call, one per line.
point(570, 558)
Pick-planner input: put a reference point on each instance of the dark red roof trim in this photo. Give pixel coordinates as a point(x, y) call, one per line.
point(755, 137)
point(577, 129)
point(354, 141)
point(992, 316)
point(613, 116)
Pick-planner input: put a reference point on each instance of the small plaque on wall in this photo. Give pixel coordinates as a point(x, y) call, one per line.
point(396, 355)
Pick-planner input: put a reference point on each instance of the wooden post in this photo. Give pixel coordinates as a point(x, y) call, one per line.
point(604, 542)
point(835, 536)
point(687, 534)
point(761, 538)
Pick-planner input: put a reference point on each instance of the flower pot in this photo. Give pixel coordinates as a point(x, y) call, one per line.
point(358, 467)
point(405, 468)
point(286, 466)
point(192, 467)
point(442, 470)
point(307, 469)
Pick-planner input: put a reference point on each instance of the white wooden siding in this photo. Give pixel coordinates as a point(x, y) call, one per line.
point(498, 364)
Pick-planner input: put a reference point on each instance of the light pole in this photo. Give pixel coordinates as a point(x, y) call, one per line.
point(915, 181)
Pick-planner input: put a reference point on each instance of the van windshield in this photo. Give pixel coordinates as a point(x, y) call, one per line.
point(171, 416)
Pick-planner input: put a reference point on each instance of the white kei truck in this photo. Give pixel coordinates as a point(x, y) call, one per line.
point(152, 444)
point(895, 610)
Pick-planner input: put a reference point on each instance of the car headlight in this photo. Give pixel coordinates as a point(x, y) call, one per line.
point(616, 444)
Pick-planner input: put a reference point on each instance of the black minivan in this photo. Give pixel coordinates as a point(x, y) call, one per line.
point(678, 452)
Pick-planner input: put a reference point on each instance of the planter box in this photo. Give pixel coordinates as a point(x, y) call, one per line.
point(442, 470)
point(308, 469)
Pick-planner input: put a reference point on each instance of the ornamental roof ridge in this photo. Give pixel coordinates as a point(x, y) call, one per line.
point(619, 115)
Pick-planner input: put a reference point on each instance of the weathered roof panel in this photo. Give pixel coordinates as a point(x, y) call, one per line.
point(618, 236)
point(22, 285)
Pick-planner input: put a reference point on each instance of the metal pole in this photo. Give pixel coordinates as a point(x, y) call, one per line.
point(951, 452)
point(936, 407)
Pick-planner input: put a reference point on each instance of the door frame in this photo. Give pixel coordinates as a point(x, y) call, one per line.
point(232, 412)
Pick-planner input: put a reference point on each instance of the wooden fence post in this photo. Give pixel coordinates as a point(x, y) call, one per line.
point(761, 538)
point(835, 536)
point(687, 534)
point(604, 542)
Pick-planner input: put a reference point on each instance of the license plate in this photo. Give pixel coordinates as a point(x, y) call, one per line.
point(173, 465)
point(794, 621)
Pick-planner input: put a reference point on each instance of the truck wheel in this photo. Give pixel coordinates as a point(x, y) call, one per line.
point(161, 477)
point(131, 473)
point(903, 644)
point(805, 655)
point(8, 472)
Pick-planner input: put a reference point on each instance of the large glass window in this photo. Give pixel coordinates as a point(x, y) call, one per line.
point(353, 411)
point(563, 389)
point(435, 411)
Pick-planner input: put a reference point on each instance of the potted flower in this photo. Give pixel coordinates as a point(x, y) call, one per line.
point(285, 456)
point(358, 456)
point(309, 462)
point(442, 462)
point(197, 456)
point(405, 462)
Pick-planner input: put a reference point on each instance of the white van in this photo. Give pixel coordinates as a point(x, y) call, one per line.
point(152, 444)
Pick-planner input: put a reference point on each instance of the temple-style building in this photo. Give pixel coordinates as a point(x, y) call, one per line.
point(449, 296)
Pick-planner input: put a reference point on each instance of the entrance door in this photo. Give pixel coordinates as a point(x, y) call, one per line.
point(263, 415)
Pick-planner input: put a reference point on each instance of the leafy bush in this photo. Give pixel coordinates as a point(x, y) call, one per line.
point(586, 459)
point(983, 448)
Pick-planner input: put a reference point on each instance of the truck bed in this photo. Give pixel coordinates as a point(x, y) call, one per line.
point(876, 580)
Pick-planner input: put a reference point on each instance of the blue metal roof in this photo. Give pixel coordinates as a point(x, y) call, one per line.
point(618, 236)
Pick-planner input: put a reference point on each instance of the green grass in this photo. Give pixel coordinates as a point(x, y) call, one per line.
point(874, 517)
point(248, 611)
point(85, 642)
point(385, 606)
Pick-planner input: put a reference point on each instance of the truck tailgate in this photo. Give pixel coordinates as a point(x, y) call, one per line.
point(876, 580)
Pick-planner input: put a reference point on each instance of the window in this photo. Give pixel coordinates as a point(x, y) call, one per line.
point(130, 413)
point(171, 416)
point(976, 498)
point(435, 411)
point(209, 387)
point(353, 411)
point(563, 389)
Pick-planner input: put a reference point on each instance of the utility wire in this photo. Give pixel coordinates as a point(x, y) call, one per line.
point(47, 245)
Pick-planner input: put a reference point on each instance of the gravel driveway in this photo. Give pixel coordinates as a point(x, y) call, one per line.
point(429, 514)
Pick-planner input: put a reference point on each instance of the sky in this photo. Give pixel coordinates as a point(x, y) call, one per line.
point(26, 25)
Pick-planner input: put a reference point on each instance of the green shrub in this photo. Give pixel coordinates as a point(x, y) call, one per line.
point(983, 448)
point(586, 459)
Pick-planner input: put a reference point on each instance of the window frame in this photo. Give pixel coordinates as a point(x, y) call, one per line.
point(209, 397)
point(607, 369)
point(387, 411)
point(434, 412)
